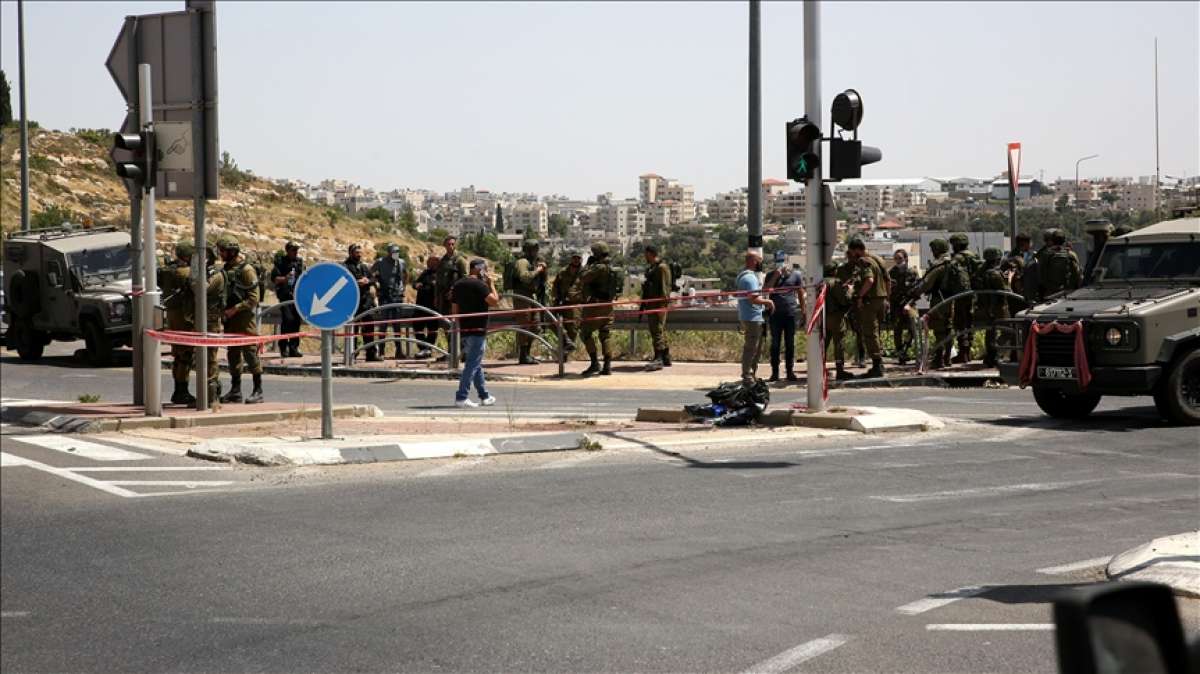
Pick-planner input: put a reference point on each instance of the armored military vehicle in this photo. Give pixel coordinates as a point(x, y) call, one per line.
point(1133, 330)
point(66, 283)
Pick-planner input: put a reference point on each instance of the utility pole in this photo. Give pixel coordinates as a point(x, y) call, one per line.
point(199, 200)
point(24, 117)
point(1157, 170)
point(813, 208)
point(151, 352)
point(754, 219)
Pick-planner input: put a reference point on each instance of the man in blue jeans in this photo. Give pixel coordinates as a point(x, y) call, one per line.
point(473, 294)
point(750, 315)
point(787, 292)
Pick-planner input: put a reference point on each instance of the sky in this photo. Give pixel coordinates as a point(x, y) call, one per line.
point(581, 98)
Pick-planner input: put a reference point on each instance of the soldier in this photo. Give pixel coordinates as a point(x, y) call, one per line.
point(656, 287)
point(1100, 230)
point(215, 292)
point(933, 284)
point(1121, 230)
point(426, 287)
point(366, 299)
point(870, 301)
point(180, 304)
point(241, 283)
point(528, 279)
point(1059, 267)
point(992, 308)
point(595, 285)
point(451, 268)
point(964, 309)
point(839, 278)
point(390, 274)
point(904, 281)
point(287, 270)
point(1023, 248)
point(561, 290)
point(1013, 269)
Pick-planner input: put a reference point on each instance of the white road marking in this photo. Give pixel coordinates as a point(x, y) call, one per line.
point(14, 614)
point(27, 402)
point(939, 600)
point(7, 459)
point(145, 469)
point(160, 446)
point(190, 484)
point(265, 621)
point(795, 656)
point(75, 477)
point(68, 444)
point(1075, 566)
point(990, 627)
point(983, 491)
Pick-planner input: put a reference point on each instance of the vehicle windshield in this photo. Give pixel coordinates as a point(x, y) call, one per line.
point(102, 264)
point(1144, 261)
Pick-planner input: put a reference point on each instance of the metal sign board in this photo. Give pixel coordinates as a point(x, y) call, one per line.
point(172, 43)
point(174, 143)
point(327, 295)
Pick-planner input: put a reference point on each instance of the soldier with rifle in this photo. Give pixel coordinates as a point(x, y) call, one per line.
point(390, 274)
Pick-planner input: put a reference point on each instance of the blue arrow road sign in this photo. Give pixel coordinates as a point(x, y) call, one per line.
point(327, 295)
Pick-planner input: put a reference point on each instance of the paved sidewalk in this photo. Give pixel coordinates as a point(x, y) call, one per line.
point(100, 417)
point(1170, 560)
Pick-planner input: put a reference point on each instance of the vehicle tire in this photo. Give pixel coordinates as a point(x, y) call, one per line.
point(23, 298)
point(1062, 405)
point(29, 342)
point(99, 344)
point(1178, 394)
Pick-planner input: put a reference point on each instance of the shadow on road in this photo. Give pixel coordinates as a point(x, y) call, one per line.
point(1121, 420)
point(1030, 594)
point(697, 463)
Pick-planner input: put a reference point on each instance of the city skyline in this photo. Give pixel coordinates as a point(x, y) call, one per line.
point(495, 112)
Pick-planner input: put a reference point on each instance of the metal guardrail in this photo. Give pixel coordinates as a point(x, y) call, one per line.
point(926, 349)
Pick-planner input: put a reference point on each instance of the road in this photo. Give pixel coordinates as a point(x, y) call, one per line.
point(933, 553)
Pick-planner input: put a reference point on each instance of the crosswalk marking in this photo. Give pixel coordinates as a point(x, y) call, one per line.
point(72, 476)
point(937, 601)
point(89, 450)
point(170, 483)
point(145, 469)
point(7, 459)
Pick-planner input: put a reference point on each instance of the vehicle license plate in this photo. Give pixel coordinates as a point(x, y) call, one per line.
point(1045, 372)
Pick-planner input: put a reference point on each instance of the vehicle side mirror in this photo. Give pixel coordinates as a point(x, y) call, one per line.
point(1120, 627)
point(52, 277)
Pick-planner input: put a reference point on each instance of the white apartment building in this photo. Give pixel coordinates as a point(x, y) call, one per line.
point(1135, 197)
point(653, 188)
point(619, 219)
point(526, 217)
point(789, 207)
point(729, 207)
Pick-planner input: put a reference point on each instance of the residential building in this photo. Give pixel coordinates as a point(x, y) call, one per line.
point(729, 207)
point(654, 189)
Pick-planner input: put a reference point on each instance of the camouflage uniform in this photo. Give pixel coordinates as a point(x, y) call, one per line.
point(904, 281)
point(530, 282)
point(657, 284)
point(593, 286)
point(366, 300)
point(939, 321)
point(560, 289)
point(964, 309)
point(1059, 267)
point(871, 310)
point(838, 304)
point(215, 292)
point(180, 304)
point(451, 269)
point(241, 283)
point(992, 308)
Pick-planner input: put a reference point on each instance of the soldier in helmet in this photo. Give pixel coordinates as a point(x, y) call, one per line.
point(656, 287)
point(390, 274)
point(933, 284)
point(241, 282)
point(992, 308)
point(366, 298)
point(1059, 266)
point(964, 309)
point(287, 270)
point(839, 302)
point(595, 284)
point(1100, 230)
point(180, 304)
point(215, 293)
point(904, 280)
point(870, 301)
point(529, 280)
point(560, 289)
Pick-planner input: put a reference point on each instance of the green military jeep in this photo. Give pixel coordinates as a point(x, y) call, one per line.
point(67, 283)
point(1139, 317)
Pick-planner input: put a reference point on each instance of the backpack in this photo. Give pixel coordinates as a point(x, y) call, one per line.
point(676, 272)
point(615, 283)
point(1056, 270)
point(957, 278)
point(509, 277)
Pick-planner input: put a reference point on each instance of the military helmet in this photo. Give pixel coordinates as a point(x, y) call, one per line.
point(599, 249)
point(575, 252)
point(185, 248)
point(831, 269)
point(939, 246)
point(992, 254)
point(228, 242)
point(959, 239)
point(1048, 234)
point(530, 244)
point(1122, 230)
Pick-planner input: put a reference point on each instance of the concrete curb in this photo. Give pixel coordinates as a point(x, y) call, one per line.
point(67, 423)
point(947, 380)
point(859, 419)
point(1170, 560)
point(273, 452)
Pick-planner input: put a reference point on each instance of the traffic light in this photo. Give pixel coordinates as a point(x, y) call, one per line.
point(847, 157)
point(140, 167)
point(802, 162)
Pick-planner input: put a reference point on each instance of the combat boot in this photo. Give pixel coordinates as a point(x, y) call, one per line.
point(666, 357)
point(592, 369)
point(214, 393)
point(373, 357)
point(181, 395)
point(523, 357)
point(791, 375)
point(774, 373)
point(607, 369)
point(235, 391)
point(876, 370)
point(296, 351)
point(656, 364)
point(256, 395)
point(840, 373)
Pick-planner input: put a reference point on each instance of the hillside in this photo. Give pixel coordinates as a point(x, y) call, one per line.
point(72, 172)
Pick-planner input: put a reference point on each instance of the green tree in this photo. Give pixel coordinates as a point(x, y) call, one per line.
point(408, 220)
point(1060, 204)
point(6, 117)
point(499, 218)
point(558, 225)
point(485, 244)
point(52, 216)
point(1109, 198)
point(378, 213)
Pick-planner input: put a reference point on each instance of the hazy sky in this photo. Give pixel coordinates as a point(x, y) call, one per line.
point(581, 98)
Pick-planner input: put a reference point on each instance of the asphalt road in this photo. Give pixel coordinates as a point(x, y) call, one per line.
point(831, 556)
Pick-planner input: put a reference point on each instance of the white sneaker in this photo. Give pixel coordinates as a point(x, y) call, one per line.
point(466, 403)
point(488, 401)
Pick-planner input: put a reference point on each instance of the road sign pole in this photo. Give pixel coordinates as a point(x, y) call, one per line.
point(135, 256)
point(151, 352)
point(814, 209)
point(199, 190)
point(327, 384)
point(25, 117)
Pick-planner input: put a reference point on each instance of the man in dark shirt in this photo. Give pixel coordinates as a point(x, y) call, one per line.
point(288, 269)
point(787, 291)
point(426, 287)
point(473, 294)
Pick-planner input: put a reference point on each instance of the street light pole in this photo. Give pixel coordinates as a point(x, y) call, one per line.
point(24, 117)
point(754, 189)
point(1077, 163)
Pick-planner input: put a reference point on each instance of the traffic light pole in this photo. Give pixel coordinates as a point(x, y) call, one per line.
point(151, 353)
point(814, 209)
point(199, 173)
point(754, 216)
